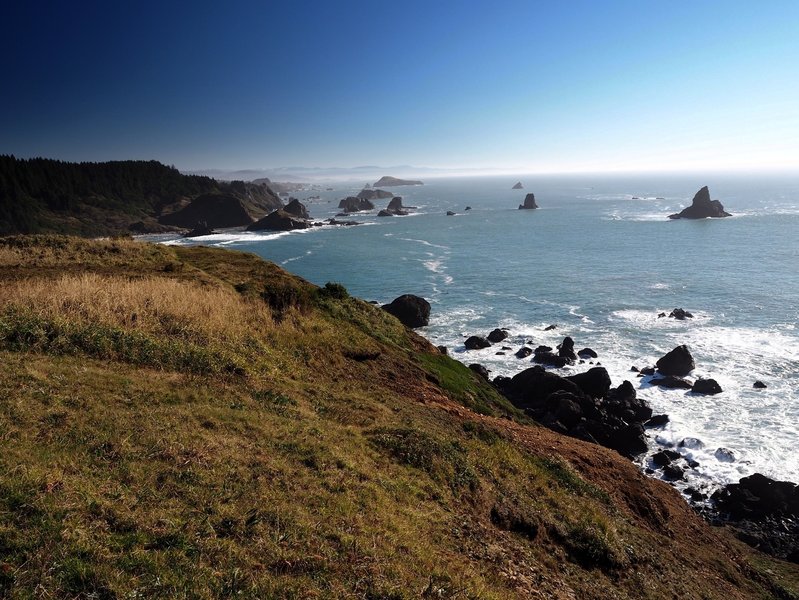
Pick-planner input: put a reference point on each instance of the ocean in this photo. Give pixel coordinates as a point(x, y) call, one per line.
point(599, 259)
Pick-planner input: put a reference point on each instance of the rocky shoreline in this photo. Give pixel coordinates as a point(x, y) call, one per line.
point(763, 512)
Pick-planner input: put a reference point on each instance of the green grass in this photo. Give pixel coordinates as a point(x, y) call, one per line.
point(347, 458)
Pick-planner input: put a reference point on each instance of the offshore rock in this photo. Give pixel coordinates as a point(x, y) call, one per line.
point(702, 207)
point(517, 186)
point(706, 386)
point(497, 336)
point(412, 311)
point(529, 202)
point(476, 342)
point(352, 204)
point(678, 362)
point(279, 220)
point(200, 229)
point(297, 208)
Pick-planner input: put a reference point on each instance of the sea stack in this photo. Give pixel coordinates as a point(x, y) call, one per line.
point(518, 186)
point(529, 202)
point(702, 207)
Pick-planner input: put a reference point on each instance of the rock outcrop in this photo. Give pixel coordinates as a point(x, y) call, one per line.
point(387, 181)
point(215, 210)
point(279, 220)
point(352, 204)
point(529, 202)
point(395, 203)
point(297, 208)
point(371, 194)
point(702, 207)
point(412, 311)
point(582, 406)
point(517, 186)
point(199, 230)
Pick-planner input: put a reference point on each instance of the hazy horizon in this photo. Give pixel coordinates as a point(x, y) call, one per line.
point(514, 88)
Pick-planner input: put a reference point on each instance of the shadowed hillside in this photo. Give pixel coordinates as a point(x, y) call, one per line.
point(45, 196)
point(195, 422)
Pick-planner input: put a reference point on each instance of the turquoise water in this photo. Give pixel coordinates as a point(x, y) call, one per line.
point(601, 265)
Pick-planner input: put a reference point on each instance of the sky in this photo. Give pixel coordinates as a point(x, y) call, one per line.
point(501, 86)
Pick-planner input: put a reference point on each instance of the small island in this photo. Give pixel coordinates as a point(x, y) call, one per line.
point(387, 181)
point(529, 202)
point(702, 207)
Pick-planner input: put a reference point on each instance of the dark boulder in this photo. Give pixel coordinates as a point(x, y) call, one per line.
point(657, 421)
point(385, 213)
point(523, 352)
point(550, 358)
point(759, 385)
point(587, 353)
point(758, 497)
point(566, 349)
point(480, 370)
point(517, 186)
point(691, 443)
point(706, 386)
point(671, 382)
point(594, 382)
point(199, 230)
point(497, 336)
point(661, 459)
point(412, 311)
point(529, 202)
point(702, 207)
point(467, 208)
point(678, 362)
point(476, 342)
point(550, 327)
point(442, 349)
point(279, 220)
point(451, 213)
point(533, 385)
point(680, 314)
point(297, 208)
point(673, 472)
point(624, 403)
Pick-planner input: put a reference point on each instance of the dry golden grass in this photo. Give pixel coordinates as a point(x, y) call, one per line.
point(150, 305)
point(54, 251)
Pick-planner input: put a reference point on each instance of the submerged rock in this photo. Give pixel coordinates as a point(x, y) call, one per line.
point(702, 207)
point(412, 311)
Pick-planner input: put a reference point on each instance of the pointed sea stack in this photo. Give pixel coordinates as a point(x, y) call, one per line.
point(529, 202)
point(297, 208)
point(518, 186)
point(702, 207)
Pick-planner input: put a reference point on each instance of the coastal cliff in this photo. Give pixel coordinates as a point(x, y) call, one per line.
point(199, 422)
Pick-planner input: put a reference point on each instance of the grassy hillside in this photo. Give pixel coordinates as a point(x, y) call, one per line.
point(198, 423)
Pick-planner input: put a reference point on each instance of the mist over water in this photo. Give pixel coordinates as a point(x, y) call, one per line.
point(601, 265)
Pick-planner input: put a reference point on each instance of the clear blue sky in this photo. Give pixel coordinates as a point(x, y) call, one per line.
point(518, 85)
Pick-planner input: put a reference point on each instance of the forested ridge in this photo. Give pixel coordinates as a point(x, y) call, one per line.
point(89, 198)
